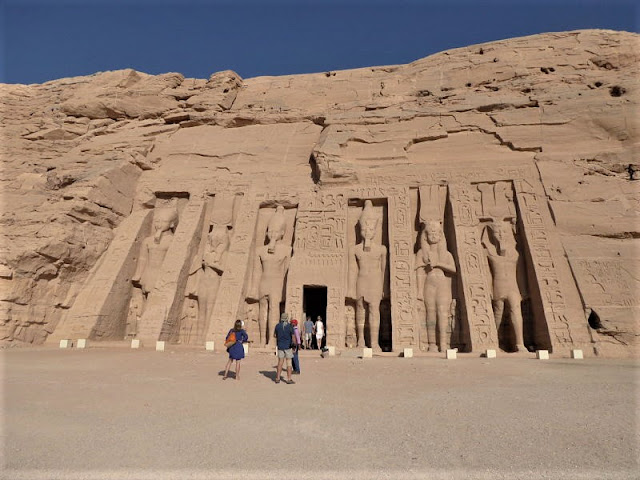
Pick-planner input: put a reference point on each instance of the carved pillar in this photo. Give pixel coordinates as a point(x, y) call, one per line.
point(104, 300)
point(401, 240)
point(562, 309)
point(164, 302)
point(231, 290)
point(473, 269)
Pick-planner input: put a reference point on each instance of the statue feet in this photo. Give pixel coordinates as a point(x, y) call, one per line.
point(432, 347)
point(520, 348)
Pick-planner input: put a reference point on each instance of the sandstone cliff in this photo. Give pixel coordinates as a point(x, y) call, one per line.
point(80, 154)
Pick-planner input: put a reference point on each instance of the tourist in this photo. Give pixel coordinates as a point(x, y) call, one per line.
point(236, 351)
point(307, 329)
point(319, 329)
point(296, 360)
point(285, 339)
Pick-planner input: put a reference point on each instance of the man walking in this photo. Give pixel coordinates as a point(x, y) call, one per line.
point(285, 340)
point(308, 333)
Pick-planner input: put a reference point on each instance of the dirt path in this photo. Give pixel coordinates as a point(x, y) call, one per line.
point(116, 414)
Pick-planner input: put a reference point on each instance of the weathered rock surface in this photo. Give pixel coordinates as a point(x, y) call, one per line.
point(81, 154)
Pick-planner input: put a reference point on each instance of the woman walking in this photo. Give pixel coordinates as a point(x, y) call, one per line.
point(236, 351)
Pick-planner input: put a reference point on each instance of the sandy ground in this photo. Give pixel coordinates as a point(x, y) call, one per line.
point(107, 413)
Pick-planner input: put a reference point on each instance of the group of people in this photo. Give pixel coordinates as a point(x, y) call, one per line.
point(289, 340)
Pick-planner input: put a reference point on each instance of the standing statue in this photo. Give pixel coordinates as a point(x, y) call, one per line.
point(434, 268)
point(367, 262)
point(205, 273)
point(269, 271)
point(154, 249)
point(503, 261)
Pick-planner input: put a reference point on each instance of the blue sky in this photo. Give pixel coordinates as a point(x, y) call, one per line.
point(47, 39)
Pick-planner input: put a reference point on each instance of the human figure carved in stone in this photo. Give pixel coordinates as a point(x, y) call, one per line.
point(435, 267)
point(207, 270)
point(503, 261)
point(367, 261)
point(154, 249)
point(269, 271)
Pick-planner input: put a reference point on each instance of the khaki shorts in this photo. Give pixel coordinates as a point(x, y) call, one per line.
point(288, 353)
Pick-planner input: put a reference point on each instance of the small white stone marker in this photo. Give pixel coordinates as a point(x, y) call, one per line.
point(367, 353)
point(66, 344)
point(82, 343)
point(542, 354)
point(159, 346)
point(135, 343)
point(407, 352)
point(246, 348)
point(332, 351)
point(209, 346)
point(491, 354)
point(577, 354)
point(452, 353)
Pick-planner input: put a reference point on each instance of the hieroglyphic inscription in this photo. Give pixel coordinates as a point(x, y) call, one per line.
point(405, 332)
point(474, 273)
point(231, 288)
point(545, 266)
point(607, 282)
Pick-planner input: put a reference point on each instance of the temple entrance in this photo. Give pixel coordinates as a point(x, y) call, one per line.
point(314, 305)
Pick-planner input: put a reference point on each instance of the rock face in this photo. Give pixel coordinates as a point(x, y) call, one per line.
point(502, 212)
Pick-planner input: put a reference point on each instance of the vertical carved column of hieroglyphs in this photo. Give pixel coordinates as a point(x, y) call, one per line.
point(560, 299)
point(164, 302)
point(105, 298)
point(401, 240)
point(319, 258)
point(474, 274)
point(231, 289)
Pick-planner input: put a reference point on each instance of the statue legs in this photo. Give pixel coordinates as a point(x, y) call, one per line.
point(515, 315)
point(206, 299)
point(443, 324)
point(360, 319)
point(262, 320)
point(374, 324)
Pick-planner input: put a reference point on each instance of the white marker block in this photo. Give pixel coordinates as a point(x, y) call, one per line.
point(66, 344)
point(490, 354)
point(135, 343)
point(209, 346)
point(332, 351)
point(159, 346)
point(542, 354)
point(82, 343)
point(577, 354)
point(246, 348)
point(367, 353)
point(407, 352)
point(452, 354)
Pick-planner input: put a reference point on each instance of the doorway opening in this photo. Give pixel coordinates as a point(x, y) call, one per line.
point(314, 304)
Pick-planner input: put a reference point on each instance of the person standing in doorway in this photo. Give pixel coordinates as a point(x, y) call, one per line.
point(295, 361)
point(319, 329)
point(307, 329)
point(236, 351)
point(285, 340)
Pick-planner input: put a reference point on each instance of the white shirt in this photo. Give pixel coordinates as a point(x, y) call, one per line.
point(319, 328)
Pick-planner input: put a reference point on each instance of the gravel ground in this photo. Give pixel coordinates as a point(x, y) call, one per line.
point(109, 413)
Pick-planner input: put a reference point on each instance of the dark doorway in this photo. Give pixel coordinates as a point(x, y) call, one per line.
point(314, 305)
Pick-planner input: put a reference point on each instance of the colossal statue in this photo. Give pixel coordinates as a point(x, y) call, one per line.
point(205, 274)
point(269, 271)
point(503, 261)
point(367, 262)
point(154, 249)
point(435, 267)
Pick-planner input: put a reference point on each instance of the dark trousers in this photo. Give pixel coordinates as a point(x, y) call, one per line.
point(295, 363)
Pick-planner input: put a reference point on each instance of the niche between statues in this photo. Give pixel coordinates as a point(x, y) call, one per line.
point(367, 304)
point(265, 286)
point(207, 268)
point(167, 208)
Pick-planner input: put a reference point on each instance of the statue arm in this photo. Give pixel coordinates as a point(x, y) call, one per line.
point(353, 274)
point(449, 264)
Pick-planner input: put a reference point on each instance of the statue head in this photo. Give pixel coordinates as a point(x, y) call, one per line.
point(432, 231)
point(502, 233)
point(368, 222)
point(164, 219)
point(276, 228)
